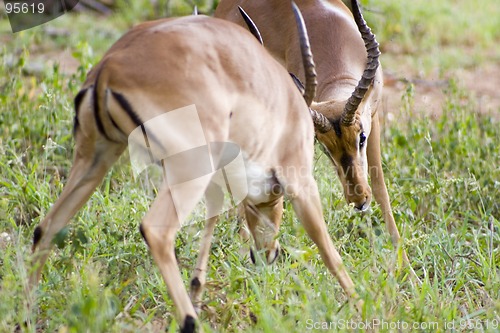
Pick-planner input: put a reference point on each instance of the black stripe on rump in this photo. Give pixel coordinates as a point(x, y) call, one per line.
point(95, 97)
point(78, 102)
point(125, 105)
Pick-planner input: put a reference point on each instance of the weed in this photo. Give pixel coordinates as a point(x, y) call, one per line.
point(442, 173)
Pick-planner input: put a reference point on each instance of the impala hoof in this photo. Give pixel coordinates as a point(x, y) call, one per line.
point(189, 325)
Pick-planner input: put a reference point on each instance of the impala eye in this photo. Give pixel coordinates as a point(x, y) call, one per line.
point(362, 139)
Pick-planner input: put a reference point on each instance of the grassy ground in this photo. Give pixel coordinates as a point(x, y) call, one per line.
point(443, 175)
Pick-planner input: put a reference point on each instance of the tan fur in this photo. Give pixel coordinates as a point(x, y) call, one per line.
point(242, 96)
point(340, 57)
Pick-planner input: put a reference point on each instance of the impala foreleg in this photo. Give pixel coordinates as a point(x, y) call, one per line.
point(214, 200)
point(199, 276)
point(159, 228)
point(307, 206)
point(379, 190)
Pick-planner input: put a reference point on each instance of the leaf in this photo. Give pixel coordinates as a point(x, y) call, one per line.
point(60, 238)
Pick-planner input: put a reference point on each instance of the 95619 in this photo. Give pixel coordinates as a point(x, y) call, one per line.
point(24, 7)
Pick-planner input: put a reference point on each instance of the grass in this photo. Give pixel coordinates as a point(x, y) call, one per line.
point(443, 176)
point(431, 39)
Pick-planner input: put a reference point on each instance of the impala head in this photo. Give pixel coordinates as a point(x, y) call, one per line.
point(343, 127)
point(345, 145)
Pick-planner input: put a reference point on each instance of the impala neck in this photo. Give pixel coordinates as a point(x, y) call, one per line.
point(338, 88)
point(340, 55)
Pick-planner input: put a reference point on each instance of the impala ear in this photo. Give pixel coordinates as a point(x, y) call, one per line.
point(251, 25)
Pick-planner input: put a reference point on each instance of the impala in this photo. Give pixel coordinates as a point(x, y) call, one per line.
point(349, 88)
point(193, 89)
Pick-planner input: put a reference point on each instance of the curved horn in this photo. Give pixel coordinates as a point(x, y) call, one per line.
point(307, 58)
point(372, 64)
point(251, 25)
point(321, 123)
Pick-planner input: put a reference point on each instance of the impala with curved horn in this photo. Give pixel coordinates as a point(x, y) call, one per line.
point(349, 89)
point(207, 84)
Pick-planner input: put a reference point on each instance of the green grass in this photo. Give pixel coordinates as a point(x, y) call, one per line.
point(443, 175)
point(435, 37)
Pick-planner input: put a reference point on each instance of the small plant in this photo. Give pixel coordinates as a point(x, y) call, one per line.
point(442, 173)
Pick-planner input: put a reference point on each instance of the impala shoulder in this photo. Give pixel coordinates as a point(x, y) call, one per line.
point(336, 7)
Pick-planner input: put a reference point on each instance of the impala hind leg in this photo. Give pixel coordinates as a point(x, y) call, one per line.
point(89, 167)
point(380, 192)
point(307, 205)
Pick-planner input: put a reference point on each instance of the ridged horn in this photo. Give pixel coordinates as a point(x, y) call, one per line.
point(371, 44)
point(307, 57)
point(251, 25)
point(321, 123)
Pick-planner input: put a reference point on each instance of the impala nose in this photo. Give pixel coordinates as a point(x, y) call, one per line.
point(271, 254)
point(363, 205)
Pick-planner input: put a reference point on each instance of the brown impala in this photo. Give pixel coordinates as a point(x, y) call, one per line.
point(178, 83)
point(349, 87)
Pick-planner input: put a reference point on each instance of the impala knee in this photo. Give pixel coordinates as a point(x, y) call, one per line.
point(160, 241)
point(154, 239)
